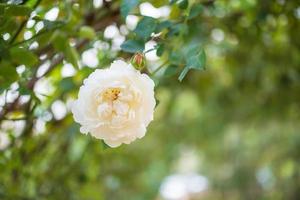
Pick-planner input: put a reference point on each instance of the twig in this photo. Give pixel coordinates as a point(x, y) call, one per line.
point(149, 50)
point(60, 57)
point(159, 68)
point(14, 37)
point(33, 37)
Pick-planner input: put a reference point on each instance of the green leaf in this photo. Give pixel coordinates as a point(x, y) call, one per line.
point(52, 25)
point(23, 56)
point(171, 70)
point(195, 11)
point(67, 84)
point(176, 57)
point(87, 32)
point(163, 25)
point(183, 4)
point(24, 90)
point(8, 25)
point(4, 53)
point(133, 46)
point(198, 61)
point(177, 28)
point(59, 40)
point(194, 62)
point(61, 43)
point(8, 73)
point(71, 55)
point(15, 10)
point(145, 27)
point(160, 50)
point(2, 10)
point(127, 6)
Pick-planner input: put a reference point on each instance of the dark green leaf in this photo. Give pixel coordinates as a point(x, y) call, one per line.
point(67, 84)
point(133, 46)
point(4, 53)
point(23, 56)
point(61, 43)
point(127, 6)
point(8, 25)
point(171, 70)
point(71, 55)
point(8, 73)
point(24, 91)
point(176, 58)
point(145, 27)
point(176, 29)
point(160, 50)
point(59, 40)
point(2, 10)
point(197, 61)
point(194, 62)
point(50, 25)
point(163, 25)
point(15, 10)
point(195, 11)
point(87, 32)
point(183, 4)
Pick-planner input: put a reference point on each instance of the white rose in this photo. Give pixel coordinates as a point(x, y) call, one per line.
point(115, 104)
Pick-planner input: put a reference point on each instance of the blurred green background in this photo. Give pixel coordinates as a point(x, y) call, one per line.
point(230, 131)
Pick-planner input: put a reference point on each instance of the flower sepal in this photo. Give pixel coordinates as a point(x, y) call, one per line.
point(138, 61)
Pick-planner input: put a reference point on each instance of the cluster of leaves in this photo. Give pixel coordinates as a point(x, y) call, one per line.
point(165, 32)
point(35, 46)
point(239, 118)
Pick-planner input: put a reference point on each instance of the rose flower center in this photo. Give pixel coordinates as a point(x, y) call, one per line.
point(111, 94)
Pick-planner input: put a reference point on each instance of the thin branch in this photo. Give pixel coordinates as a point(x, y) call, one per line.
point(57, 60)
point(33, 37)
point(159, 68)
point(14, 37)
point(149, 50)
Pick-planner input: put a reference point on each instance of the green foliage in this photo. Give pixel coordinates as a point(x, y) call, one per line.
point(7, 73)
point(127, 6)
point(195, 11)
point(145, 27)
point(14, 10)
point(195, 59)
point(133, 46)
point(163, 25)
point(234, 119)
point(21, 56)
point(61, 43)
point(87, 32)
point(183, 4)
point(160, 50)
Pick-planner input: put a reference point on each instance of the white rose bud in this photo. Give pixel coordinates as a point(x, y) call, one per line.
point(115, 104)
